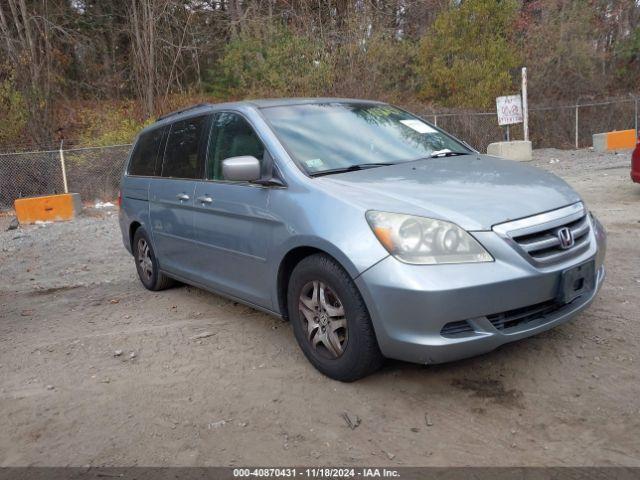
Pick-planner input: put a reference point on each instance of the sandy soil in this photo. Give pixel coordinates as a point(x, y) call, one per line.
point(244, 394)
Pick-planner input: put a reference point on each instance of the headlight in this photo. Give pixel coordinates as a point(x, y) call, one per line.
point(425, 241)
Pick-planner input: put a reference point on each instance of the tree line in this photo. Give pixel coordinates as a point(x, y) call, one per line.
point(98, 70)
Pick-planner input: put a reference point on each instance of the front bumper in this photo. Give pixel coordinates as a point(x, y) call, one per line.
point(410, 304)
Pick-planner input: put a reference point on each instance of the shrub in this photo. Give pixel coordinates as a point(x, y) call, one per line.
point(381, 66)
point(466, 60)
point(14, 113)
point(274, 62)
point(110, 125)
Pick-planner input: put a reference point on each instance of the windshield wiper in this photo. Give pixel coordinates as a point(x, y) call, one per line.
point(351, 168)
point(447, 153)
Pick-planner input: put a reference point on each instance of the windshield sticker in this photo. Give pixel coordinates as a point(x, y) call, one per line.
point(314, 163)
point(418, 126)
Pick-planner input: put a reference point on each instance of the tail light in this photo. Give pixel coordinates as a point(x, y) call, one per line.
point(119, 198)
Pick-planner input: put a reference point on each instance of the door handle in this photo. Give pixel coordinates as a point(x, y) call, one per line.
point(182, 196)
point(205, 199)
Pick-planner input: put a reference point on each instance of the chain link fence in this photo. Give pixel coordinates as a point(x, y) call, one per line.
point(555, 126)
point(94, 173)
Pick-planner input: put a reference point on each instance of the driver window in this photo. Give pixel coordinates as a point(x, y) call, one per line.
point(231, 136)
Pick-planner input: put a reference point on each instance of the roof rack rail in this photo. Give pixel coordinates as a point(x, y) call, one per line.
point(182, 110)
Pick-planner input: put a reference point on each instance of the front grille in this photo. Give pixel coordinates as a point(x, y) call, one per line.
point(544, 246)
point(521, 316)
point(538, 237)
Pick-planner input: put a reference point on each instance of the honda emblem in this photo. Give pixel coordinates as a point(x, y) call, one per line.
point(565, 235)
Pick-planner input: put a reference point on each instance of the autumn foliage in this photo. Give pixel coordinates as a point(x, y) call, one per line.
point(94, 72)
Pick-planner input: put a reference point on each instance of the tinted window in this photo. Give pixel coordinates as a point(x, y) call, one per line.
point(231, 136)
point(181, 159)
point(145, 154)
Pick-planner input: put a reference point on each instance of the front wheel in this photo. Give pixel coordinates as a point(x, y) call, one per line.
point(330, 320)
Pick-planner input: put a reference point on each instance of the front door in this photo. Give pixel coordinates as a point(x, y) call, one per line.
point(171, 197)
point(233, 225)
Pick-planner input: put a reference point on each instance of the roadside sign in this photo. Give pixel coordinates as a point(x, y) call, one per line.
point(509, 110)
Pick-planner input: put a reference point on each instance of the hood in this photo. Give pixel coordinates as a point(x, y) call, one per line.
point(473, 191)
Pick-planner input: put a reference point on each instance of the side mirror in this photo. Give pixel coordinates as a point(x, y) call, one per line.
point(241, 169)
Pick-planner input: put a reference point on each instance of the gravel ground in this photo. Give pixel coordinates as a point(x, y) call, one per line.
point(95, 370)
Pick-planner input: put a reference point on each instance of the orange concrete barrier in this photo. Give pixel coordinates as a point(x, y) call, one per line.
point(48, 208)
point(618, 140)
point(621, 139)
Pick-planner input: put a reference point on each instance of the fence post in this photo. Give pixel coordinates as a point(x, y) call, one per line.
point(525, 105)
point(636, 109)
point(577, 130)
point(435, 118)
point(64, 169)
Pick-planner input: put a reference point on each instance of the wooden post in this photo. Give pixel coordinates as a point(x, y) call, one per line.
point(64, 169)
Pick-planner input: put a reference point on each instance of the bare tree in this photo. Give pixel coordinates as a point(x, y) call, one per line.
point(27, 37)
point(144, 18)
point(164, 53)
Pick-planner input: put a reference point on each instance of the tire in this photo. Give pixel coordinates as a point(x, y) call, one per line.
point(147, 265)
point(330, 320)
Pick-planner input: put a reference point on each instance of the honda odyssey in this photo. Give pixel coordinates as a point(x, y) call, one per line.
point(374, 232)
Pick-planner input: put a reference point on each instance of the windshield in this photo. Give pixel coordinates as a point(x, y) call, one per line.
point(324, 137)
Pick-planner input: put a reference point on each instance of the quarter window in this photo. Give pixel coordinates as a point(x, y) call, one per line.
point(231, 136)
point(145, 153)
point(181, 156)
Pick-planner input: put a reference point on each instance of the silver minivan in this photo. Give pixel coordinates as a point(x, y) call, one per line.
point(374, 232)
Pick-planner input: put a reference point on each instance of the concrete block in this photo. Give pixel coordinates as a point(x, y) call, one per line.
point(600, 142)
point(48, 208)
point(517, 150)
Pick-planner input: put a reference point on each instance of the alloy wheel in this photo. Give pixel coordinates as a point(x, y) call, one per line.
point(144, 258)
point(322, 314)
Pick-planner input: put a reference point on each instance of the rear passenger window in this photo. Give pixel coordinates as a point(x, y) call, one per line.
point(181, 155)
point(145, 153)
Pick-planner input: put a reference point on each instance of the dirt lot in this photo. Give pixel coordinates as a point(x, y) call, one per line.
point(69, 298)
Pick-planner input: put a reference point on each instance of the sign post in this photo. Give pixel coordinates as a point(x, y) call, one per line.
point(509, 110)
point(512, 109)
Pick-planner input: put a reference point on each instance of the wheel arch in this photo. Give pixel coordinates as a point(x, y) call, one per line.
point(132, 231)
point(294, 256)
